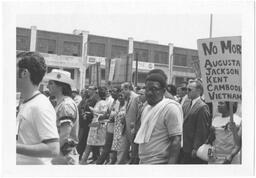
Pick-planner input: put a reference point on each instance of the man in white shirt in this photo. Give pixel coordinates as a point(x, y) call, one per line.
point(109, 99)
point(160, 131)
point(37, 139)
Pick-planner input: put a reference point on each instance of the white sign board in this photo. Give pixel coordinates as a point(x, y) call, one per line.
point(62, 60)
point(94, 59)
point(143, 65)
point(220, 63)
point(112, 69)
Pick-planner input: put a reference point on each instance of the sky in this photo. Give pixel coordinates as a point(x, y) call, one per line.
point(180, 23)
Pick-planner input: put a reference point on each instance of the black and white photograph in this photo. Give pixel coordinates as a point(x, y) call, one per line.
point(128, 88)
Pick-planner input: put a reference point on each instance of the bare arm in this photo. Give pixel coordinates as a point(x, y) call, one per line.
point(48, 149)
point(65, 130)
point(174, 149)
point(236, 131)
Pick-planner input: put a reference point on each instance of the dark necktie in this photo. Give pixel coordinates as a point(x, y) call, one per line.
point(190, 104)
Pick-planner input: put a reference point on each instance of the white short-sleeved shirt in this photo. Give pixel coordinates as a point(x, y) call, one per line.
point(36, 122)
point(67, 111)
point(156, 151)
point(224, 142)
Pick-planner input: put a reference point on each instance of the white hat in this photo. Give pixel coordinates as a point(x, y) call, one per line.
point(60, 76)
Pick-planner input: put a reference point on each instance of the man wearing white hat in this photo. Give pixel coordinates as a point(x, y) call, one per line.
point(59, 86)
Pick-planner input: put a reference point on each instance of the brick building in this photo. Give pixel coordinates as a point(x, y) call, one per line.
point(84, 55)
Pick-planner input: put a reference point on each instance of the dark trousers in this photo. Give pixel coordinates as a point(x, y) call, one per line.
point(134, 153)
point(106, 148)
point(82, 135)
point(187, 159)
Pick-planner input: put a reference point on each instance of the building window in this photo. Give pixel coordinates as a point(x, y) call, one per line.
point(161, 57)
point(46, 46)
point(118, 51)
point(96, 49)
point(142, 54)
point(71, 48)
point(196, 66)
point(180, 60)
point(141, 77)
point(22, 43)
point(71, 71)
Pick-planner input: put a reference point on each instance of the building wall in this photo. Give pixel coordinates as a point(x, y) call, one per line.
point(23, 39)
point(65, 51)
point(59, 43)
point(183, 64)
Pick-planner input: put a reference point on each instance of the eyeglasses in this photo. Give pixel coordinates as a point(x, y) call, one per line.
point(153, 89)
point(189, 89)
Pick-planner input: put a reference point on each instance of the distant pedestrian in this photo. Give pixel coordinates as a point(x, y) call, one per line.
point(118, 134)
point(130, 117)
point(97, 132)
point(90, 99)
point(173, 91)
point(111, 114)
point(76, 97)
point(182, 92)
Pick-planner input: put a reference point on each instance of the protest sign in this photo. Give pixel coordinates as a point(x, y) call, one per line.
point(220, 63)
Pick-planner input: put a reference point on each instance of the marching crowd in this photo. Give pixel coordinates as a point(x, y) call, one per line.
point(154, 124)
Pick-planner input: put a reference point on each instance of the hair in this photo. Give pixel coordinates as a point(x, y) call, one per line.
point(127, 85)
point(158, 78)
point(158, 71)
point(172, 89)
point(102, 91)
point(34, 63)
point(118, 89)
point(234, 106)
point(199, 86)
point(157, 75)
point(182, 84)
point(66, 89)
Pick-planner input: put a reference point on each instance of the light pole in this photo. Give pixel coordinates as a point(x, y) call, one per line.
point(136, 70)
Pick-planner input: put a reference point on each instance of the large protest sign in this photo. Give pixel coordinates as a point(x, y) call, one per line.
point(220, 63)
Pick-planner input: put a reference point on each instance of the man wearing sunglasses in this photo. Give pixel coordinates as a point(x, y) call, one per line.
point(196, 125)
point(161, 124)
point(182, 92)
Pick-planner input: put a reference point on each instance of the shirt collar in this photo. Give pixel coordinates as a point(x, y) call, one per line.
point(195, 100)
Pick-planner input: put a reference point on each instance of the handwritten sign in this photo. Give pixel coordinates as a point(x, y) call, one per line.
point(220, 63)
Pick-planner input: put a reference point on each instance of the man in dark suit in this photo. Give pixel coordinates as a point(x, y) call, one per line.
point(85, 118)
point(196, 125)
